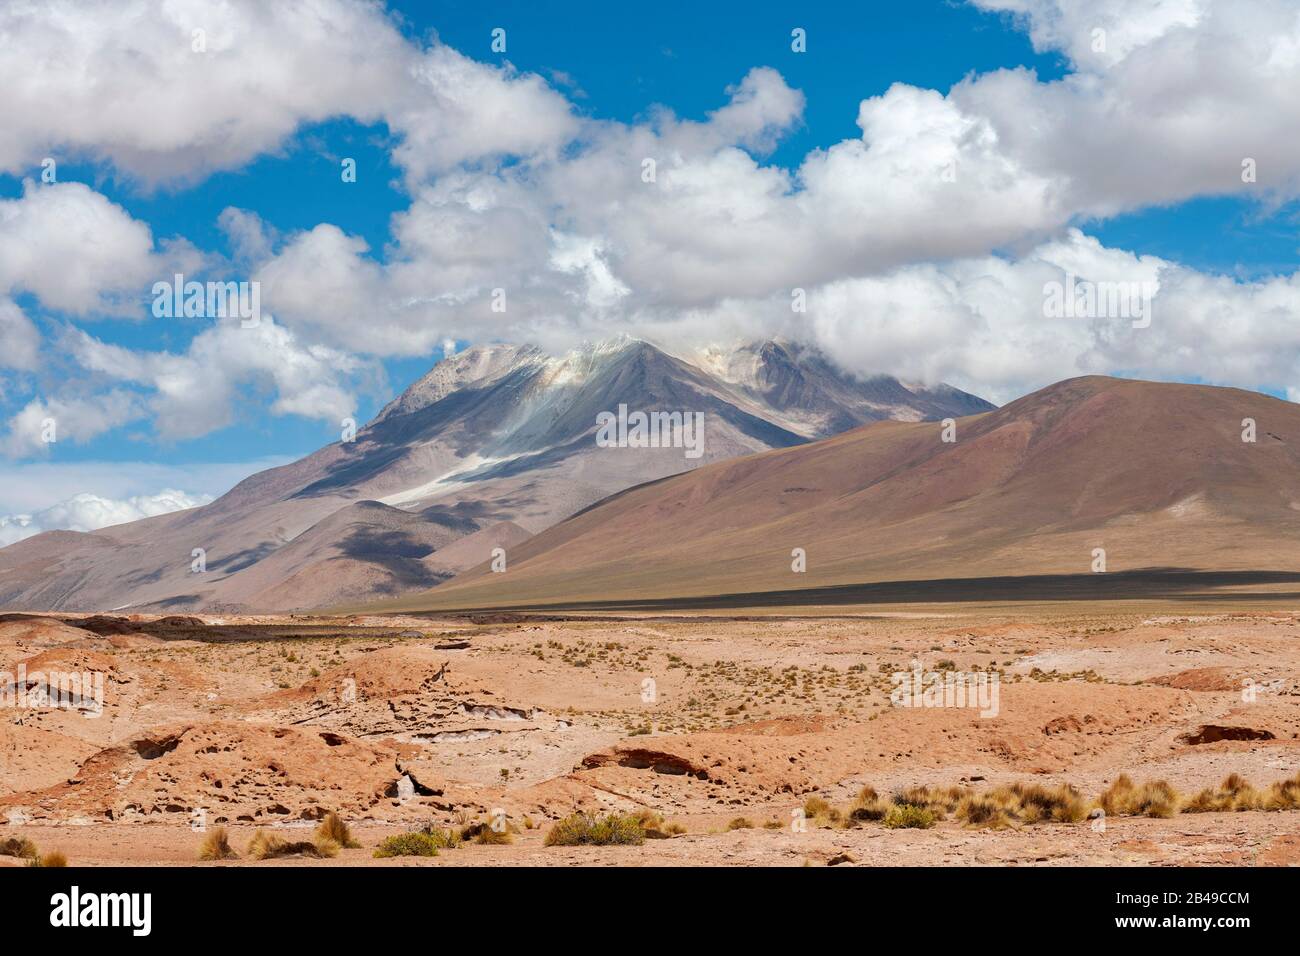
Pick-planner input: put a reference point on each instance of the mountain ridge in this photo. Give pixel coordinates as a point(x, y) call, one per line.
point(1153, 474)
point(497, 436)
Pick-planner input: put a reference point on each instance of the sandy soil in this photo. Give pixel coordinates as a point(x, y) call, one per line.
point(396, 722)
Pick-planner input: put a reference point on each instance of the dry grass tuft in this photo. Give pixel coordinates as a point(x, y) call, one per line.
point(740, 823)
point(20, 847)
point(216, 846)
point(1021, 803)
point(333, 828)
point(1283, 795)
point(820, 813)
point(325, 848)
point(984, 810)
point(1234, 793)
point(488, 836)
point(268, 846)
point(869, 805)
point(940, 801)
point(50, 860)
point(1123, 798)
point(653, 824)
point(1035, 803)
point(815, 806)
point(483, 832)
point(263, 845)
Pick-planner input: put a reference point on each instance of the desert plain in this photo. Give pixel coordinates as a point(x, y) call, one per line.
point(737, 737)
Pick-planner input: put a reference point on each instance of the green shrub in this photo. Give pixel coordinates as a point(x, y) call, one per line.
point(409, 844)
point(585, 829)
point(447, 839)
point(908, 816)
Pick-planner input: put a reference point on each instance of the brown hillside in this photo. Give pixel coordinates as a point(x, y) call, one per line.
point(1156, 474)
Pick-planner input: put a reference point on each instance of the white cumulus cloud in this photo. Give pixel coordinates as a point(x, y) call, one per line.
point(89, 512)
point(74, 249)
point(171, 90)
point(922, 243)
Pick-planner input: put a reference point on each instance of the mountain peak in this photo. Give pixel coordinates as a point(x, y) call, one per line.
point(496, 434)
point(816, 397)
point(480, 366)
point(476, 365)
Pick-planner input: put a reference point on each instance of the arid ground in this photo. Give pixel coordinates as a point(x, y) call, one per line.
point(744, 738)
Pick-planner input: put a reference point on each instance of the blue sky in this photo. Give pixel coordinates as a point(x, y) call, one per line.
point(607, 62)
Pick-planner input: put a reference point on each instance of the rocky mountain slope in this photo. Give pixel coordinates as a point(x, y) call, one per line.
point(491, 446)
point(1156, 476)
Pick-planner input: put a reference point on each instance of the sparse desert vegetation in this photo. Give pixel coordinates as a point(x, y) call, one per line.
point(1234, 793)
point(908, 816)
point(1018, 804)
point(819, 813)
point(216, 845)
point(1021, 803)
point(20, 847)
point(269, 846)
point(333, 829)
point(1237, 794)
point(755, 724)
point(53, 859)
point(23, 849)
point(585, 829)
point(423, 842)
point(868, 806)
point(489, 835)
point(1124, 798)
point(417, 843)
